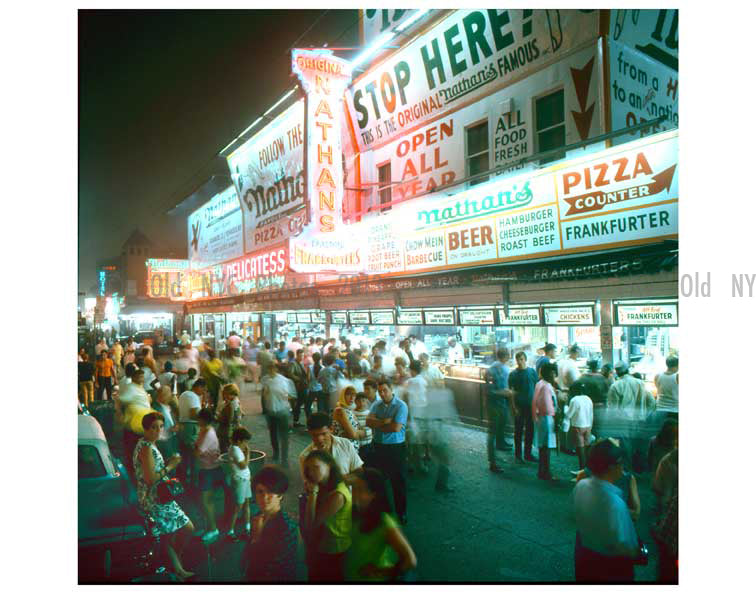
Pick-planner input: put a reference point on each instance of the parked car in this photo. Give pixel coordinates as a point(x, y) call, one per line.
point(158, 342)
point(114, 545)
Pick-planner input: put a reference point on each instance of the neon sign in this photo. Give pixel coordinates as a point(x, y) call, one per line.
point(324, 244)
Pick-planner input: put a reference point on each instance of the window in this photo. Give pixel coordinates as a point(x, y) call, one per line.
point(90, 464)
point(550, 129)
point(476, 140)
point(384, 185)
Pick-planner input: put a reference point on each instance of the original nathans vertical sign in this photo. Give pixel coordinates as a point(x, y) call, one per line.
point(324, 245)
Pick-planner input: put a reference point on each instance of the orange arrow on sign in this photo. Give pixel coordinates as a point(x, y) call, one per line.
point(597, 200)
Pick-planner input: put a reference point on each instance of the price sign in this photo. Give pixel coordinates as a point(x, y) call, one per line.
point(410, 318)
point(318, 317)
point(439, 317)
point(569, 316)
point(303, 318)
point(379, 318)
point(361, 318)
point(338, 317)
point(527, 316)
point(476, 317)
point(291, 318)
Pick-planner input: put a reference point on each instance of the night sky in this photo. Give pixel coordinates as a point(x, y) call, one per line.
point(160, 93)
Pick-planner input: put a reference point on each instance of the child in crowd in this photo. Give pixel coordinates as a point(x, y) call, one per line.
point(361, 411)
point(229, 415)
point(207, 453)
point(191, 376)
point(240, 479)
point(168, 378)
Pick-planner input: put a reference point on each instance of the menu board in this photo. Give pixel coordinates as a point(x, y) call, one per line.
point(626, 195)
point(646, 314)
point(291, 318)
point(303, 318)
point(379, 318)
point(476, 317)
point(338, 317)
point(318, 317)
point(523, 316)
point(439, 317)
point(410, 318)
point(581, 315)
point(361, 318)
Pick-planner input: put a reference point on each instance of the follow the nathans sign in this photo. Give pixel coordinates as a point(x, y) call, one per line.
point(324, 245)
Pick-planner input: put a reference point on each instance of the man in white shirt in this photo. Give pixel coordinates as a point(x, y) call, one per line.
point(431, 373)
point(606, 543)
point(568, 368)
point(189, 404)
point(417, 346)
point(456, 352)
point(341, 449)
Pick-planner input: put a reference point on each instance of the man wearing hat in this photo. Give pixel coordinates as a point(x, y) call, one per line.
point(631, 404)
point(549, 353)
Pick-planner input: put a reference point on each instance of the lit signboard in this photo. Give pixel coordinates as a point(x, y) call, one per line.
point(318, 317)
point(303, 318)
point(476, 317)
point(291, 318)
point(382, 318)
point(569, 315)
point(338, 317)
point(410, 318)
point(215, 230)
point(646, 314)
point(168, 279)
point(522, 316)
point(439, 317)
point(324, 245)
point(361, 318)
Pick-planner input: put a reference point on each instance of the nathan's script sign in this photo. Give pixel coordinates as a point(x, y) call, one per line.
point(269, 176)
point(215, 230)
point(569, 316)
point(464, 57)
point(651, 314)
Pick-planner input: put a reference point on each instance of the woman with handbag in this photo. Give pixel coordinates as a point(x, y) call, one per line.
point(156, 503)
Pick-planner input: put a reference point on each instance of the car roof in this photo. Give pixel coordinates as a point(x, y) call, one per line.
point(89, 429)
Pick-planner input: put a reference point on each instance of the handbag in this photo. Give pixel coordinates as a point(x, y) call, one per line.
point(168, 490)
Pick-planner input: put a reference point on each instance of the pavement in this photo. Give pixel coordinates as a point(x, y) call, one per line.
point(505, 527)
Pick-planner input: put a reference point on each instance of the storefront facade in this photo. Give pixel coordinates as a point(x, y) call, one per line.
point(456, 214)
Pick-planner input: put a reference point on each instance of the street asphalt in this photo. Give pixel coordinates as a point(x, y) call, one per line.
point(505, 527)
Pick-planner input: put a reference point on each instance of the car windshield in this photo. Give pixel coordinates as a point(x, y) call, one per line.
point(90, 463)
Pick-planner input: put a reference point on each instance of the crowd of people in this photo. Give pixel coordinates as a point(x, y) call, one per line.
point(372, 419)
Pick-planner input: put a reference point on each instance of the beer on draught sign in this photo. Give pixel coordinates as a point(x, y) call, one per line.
point(324, 78)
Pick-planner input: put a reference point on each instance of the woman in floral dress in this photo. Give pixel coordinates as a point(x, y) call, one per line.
point(166, 518)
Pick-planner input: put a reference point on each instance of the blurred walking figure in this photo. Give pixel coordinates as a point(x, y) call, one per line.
point(498, 403)
point(544, 406)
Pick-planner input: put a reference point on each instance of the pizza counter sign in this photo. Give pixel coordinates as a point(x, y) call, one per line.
point(662, 314)
point(529, 316)
point(440, 317)
point(476, 317)
point(569, 316)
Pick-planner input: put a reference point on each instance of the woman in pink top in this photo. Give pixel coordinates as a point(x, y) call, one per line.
point(544, 402)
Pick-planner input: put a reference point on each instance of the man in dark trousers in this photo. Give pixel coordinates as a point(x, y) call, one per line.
point(388, 420)
point(522, 381)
